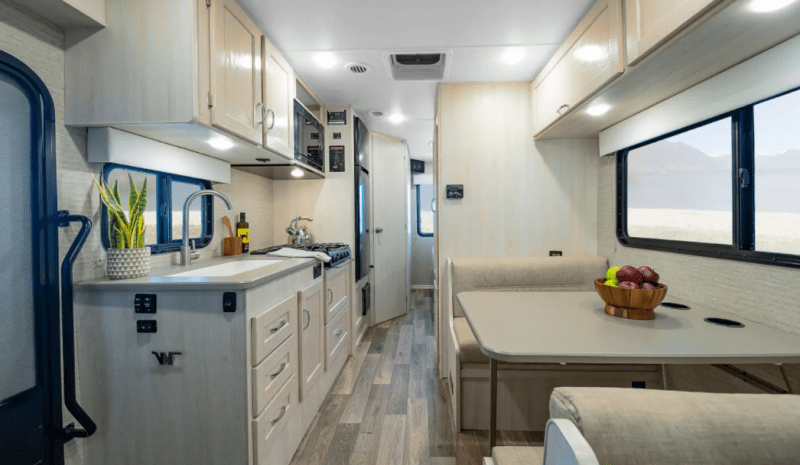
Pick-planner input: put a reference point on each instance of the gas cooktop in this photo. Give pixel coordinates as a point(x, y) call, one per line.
point(338, 252)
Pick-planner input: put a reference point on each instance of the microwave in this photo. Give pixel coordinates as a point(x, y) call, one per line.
point(309, 138)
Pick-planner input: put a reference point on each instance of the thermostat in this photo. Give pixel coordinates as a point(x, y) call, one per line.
point(455, 191)
point(337, 117)
point(336, 163)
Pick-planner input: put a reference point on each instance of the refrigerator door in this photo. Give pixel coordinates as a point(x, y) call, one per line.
point(361, 144)
point(362, 224)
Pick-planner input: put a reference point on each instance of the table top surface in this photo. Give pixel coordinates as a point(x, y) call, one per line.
point(571, 327)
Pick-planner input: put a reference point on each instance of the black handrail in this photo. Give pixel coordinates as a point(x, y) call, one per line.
point(68, 328)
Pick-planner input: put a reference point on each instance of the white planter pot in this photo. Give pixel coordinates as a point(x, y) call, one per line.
point(127, 263)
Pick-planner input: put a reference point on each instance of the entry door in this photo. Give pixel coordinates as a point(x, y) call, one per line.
point(390, 187)
point(30, 379)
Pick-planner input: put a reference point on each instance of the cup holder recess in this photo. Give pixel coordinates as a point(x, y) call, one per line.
point(724, 322)
point(675, 305)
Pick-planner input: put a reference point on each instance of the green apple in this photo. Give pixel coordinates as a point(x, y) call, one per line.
point(611, 274)
point(612, 283)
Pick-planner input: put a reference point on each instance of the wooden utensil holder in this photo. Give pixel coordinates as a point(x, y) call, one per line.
point(232, 246)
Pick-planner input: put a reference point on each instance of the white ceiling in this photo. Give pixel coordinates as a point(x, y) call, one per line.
point(477, 33)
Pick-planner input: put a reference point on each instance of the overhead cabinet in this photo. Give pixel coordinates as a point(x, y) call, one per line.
point(648, 23)
point(195, 74)
point(590, 58)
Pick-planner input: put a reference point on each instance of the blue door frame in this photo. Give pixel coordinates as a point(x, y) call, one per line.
point(31, 421)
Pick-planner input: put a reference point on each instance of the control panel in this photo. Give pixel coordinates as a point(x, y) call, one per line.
point(144, 303)
point(455, 191)
point(337, 116)
point(146, 326)
point(336, 159)
point(229, 302)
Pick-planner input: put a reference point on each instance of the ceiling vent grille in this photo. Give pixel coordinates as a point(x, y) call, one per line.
point(358, 68)
point(423, 66)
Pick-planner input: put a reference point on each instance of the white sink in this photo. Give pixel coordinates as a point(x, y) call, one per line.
point(226, 269)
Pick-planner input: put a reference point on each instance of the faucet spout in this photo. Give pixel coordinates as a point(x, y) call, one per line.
point(186, 251)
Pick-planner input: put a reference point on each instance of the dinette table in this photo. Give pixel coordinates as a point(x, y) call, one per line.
point(571, 327)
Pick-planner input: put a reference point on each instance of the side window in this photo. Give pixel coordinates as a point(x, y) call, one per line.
point(425, 202)
point(164, 213)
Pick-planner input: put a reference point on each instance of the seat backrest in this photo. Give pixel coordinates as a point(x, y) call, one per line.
point(525, 274)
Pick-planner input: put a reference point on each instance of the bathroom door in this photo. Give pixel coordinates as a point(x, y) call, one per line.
point(30, 375)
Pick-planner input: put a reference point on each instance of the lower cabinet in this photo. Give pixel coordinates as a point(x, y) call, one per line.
point(311, 346)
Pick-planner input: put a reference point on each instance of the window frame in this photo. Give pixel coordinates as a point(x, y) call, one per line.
point(742, 247)
point(164, 205)
point(419, 216)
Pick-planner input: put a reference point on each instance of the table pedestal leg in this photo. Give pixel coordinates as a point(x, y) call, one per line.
point(492, 404)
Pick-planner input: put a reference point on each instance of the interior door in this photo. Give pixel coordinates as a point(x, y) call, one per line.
point(237, 104)
point(30, 376)
point(390, 172)
point(311, 347)
point(278, 79)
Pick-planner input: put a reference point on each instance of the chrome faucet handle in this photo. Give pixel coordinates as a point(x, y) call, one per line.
point(195, 255)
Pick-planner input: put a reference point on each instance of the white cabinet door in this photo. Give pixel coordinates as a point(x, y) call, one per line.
point(589, 59)
point(237, 104)
point(311, 338)
point(279, 101)
point(649, 23)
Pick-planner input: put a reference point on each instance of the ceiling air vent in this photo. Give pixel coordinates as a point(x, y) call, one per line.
point(418, 66)
point(358, 68)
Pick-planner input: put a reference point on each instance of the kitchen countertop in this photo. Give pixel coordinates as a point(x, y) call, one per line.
point(160, 279)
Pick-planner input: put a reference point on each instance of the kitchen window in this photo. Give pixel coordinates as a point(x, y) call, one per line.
point(425, 210)
point(726, 188)
point(163, 217)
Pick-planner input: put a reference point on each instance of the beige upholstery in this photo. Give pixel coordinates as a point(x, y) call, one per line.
point(470, 351)
point(525, 274)
point(518, 455)
point(637, 426)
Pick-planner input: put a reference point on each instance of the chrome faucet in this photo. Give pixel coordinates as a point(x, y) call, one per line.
point(186, 250)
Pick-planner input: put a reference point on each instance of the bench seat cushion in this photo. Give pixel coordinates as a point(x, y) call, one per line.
point(518, 455)
point(470, 350)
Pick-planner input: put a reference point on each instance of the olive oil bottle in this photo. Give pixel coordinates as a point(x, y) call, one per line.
point(243, 231)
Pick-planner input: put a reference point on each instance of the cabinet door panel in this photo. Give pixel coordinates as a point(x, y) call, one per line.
point(649, 23)
point(278, 81)
point(589, 59)
point(235, 71)
point(311, 310)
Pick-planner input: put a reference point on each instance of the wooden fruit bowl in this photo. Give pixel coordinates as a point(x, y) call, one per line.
point(634, 304)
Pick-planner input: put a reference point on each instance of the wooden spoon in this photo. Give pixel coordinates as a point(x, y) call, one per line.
point(228, 224)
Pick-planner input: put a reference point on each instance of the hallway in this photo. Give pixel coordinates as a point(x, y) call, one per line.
point(389, 407)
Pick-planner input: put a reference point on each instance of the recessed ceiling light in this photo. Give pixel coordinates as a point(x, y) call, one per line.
point(220, 143)
point(591, 53)
point(513, 56)
point(298, 173)
point(598, 110)
point(396, 118)
point(765, 6)
point(325, 59)
point(376, 113)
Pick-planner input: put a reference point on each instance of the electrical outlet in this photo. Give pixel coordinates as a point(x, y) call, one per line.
point(556, 253)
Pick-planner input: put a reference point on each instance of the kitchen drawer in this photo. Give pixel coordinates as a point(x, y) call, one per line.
point(273, 420)
point(336, 333)
point(273, 327)
point(336, 284)
point(273, 373)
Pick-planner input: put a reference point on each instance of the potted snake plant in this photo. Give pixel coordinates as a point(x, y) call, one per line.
point(127, 257)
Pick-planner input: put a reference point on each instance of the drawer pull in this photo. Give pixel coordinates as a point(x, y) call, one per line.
point(306, 312)
point(280, 370)
point(283, 412)
point(338, 331)
point(330, 291)
point(278, 328)
point(561, 108)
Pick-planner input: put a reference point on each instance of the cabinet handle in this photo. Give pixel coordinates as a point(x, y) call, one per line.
point(280, 370)
point(306, 312)
point(260, 118)
point(278, 328)
point(271, 120)
point(562, 107)
point(337, 331)
point(283, 412)
point(330, 293)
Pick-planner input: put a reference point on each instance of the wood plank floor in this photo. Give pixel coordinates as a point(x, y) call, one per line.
point(389, 406)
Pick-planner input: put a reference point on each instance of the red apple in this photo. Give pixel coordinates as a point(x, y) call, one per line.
point(629, 273)
point(647, 286)
point(648, 275)
point(628, 285)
